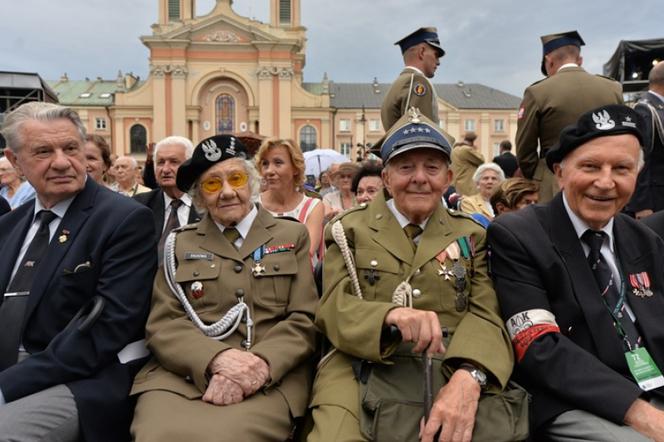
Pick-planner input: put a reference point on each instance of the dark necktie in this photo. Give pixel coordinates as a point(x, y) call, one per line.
point(171, 223)
point(12, 310)
point(607, 287)
point(412, 231)
point(231, 235)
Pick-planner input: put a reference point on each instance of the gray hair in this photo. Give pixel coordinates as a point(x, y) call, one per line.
point(488, 166)
point(178, 140)
point(254, 185)
point(132, 160)
point(39, 111)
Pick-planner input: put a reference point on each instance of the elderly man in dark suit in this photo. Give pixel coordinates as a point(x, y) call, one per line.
point(581, 290)
point(63, 376)
point(170, 206)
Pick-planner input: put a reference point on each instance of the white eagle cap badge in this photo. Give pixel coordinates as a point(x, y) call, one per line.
point(603, 120)
point(212, 152)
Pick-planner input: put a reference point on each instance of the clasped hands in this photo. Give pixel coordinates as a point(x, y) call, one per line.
point(236, 374)
point(456, 403)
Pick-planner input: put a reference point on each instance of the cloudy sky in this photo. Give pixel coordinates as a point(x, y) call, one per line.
point(494, 42)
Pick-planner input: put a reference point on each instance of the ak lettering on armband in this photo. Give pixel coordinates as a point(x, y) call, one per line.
point(525, 327)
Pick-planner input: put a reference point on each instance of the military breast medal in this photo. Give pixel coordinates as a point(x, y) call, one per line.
point(640, 283)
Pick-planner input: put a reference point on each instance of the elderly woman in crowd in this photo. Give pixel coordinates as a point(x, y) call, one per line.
point(487, 177)
point(514, 194)
point(98, 156)
point(409, 263)
point(342, 198)
point(14, 189)
point(368, 182)
point(231, 327)
point(281, 166)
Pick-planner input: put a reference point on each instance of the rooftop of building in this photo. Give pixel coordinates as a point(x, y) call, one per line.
point(99, 92)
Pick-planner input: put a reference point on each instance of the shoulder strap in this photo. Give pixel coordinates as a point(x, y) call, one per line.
point(410, 91)
point(340, 238)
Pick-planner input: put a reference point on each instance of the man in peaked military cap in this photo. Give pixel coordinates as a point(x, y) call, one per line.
point(421, 54)
point(555, 102)
point(581, 290)
point(244, 378)
point(408, 239)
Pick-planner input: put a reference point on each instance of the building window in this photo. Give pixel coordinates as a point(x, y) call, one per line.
point(100, 123)
point(308, 138)
point(496, 149)
point(138, 138)
point(284, 12)
point(344, 125)
point(499, 125)
point(374, 125)
point(345, 148)
point(225, 107)
point(173, 10)
point(469, 125)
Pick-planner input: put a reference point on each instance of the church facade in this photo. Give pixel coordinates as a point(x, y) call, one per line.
point(224, 73)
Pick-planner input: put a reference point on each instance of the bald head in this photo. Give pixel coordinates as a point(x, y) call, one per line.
point(656, 78)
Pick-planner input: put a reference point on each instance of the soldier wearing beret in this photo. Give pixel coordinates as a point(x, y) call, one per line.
point(421, 54)
point(555, 102)
point(581, 290)
point(231, 326)
point(421, 269)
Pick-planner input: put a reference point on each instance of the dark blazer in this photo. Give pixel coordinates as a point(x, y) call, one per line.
point(656, 223)
point(108, 231)
point(155, 201)
point(4, 206)
point(537, 262)
point(507, 162)
point(649, 192)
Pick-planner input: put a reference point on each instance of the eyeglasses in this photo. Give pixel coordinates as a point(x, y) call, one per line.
point(235, 180)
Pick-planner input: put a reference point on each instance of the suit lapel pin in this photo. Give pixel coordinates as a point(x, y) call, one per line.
point(197, 289)
point(640, 284)
point(64, 236)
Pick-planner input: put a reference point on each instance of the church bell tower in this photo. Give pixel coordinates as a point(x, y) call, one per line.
point(176, 11)
point(285, 13)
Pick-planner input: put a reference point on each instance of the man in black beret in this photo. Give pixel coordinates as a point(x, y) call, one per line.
point(581, 288)
point(556, 101)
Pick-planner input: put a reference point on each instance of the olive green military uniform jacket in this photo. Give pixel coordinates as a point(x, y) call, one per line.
point(354, 325)
point(547, 107)
point(465, 161)
point(411, 88)
point(282, 303)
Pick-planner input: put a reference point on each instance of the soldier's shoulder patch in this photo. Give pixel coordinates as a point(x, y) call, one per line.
point(419, 89)
point(464, 215)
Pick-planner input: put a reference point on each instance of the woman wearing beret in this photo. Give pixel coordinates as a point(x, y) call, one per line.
point(231, 326)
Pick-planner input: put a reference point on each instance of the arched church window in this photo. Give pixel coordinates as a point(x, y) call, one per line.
point(225, 107)
point(307, 138)
point(138, 138)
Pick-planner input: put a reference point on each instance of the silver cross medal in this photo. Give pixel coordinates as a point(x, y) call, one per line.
point(444, 272)
point(258, 269)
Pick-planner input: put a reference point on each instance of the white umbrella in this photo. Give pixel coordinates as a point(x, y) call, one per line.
point(318, 160)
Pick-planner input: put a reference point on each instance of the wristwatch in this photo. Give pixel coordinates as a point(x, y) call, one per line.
point(476, 373)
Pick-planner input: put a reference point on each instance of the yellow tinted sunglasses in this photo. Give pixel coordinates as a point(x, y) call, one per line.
point(235, 180)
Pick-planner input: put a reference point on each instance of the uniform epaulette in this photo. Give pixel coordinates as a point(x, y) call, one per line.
point(191, 226)
point(539, 81)
point(460, 214)
point(346, 212)
point(604, 76)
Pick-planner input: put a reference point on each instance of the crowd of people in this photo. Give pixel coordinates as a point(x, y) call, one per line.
point(422, 294)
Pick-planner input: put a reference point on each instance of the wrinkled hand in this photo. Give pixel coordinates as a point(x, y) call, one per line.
point(454, 409)
point(222, 391)
point(246, 369)
point(646, 419)
point(419, 326)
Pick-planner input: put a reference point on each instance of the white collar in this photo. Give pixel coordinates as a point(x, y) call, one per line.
point(244, 225)
point(580, 226)
point(185, 198)
point(567, 65)
point(59, 209)
point(401, 218)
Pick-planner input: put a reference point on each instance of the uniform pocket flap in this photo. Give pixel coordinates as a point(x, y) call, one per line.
point(279, 264)
point(197, 270)
point(376, 259)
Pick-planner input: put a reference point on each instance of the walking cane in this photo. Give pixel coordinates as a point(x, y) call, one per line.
point(427, 362)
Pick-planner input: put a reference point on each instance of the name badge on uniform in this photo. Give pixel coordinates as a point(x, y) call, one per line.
point(644, 370)
point(198, 255)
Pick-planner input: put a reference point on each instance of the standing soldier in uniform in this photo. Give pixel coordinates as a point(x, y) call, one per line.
point(421, 54)
point(555, 102)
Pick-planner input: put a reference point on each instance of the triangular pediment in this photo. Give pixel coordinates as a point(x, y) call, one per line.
point(222, 29)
